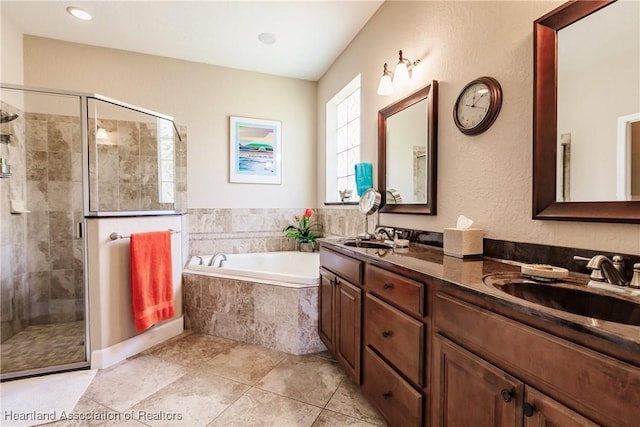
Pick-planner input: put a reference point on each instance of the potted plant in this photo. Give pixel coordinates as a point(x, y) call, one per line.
point(304, 231)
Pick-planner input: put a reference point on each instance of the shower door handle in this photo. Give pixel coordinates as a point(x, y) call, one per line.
point(79, 231)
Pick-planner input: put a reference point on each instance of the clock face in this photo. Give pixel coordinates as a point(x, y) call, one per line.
point(478, 105)
point(473, 105)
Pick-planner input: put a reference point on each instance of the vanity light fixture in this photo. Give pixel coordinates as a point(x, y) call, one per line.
point(79, 13)
point(386, 83)
point(400, 77)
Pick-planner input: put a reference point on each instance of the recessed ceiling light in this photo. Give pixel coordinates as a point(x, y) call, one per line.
point(267, 38)
point(79, 13)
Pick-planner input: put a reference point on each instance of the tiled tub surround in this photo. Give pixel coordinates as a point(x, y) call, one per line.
point(278, 317)
point(239, 230)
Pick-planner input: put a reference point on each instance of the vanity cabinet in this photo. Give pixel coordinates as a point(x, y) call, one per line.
point(495, 371)
point(340, 309)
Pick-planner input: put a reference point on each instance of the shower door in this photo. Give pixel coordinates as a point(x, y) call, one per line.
point(42, 249)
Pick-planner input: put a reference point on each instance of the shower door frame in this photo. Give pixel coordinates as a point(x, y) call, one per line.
point(82, 98)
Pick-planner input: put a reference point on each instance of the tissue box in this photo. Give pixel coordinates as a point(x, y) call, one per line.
point(463, 243)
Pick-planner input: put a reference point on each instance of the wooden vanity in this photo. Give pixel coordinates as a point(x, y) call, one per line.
point(431, 345)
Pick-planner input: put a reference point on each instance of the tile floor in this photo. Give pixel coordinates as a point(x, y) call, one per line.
point(39, 346)
point(201, 380)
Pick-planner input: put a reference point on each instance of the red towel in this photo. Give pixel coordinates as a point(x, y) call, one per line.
point(151, 278)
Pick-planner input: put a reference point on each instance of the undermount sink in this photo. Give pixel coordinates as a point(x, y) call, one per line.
point(369, 244)
point(567, 296)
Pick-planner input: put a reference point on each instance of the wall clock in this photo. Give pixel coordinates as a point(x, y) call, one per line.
point(478, 105)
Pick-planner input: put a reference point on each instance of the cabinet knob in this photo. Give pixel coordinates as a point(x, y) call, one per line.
point(387, 395)
point(334, 281)
point(506, 395)
point(387, 286)
point(528, 409)
point(386, 334)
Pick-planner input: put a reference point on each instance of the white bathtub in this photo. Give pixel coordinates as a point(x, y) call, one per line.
point(268, 299)
point(291, 269)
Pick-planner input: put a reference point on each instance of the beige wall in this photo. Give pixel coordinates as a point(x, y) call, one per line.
point(485, 177)
point(11, 66)
point(201, 97)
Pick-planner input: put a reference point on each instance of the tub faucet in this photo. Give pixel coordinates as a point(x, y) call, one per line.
point(220, 256)
point(605, 270)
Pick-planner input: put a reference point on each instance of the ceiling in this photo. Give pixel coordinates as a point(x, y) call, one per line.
point(309, 34)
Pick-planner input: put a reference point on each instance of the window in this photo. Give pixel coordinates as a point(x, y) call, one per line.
point(343, 141)
point(166, 161)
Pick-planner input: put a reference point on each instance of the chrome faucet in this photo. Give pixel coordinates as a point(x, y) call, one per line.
point(384, 230)
point(220, 256)
point(605, 270)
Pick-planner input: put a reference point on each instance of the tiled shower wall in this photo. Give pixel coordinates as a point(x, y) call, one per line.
point(54, 197)
point(260, 230)
point(124, 167)
point(14, 294)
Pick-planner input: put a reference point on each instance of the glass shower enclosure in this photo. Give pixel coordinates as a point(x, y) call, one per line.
point(65, 157)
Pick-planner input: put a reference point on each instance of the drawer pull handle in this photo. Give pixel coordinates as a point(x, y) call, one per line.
point(387, 286)
point(506, 395)
point(387, 395)
point(528, 409)
point(386, 334)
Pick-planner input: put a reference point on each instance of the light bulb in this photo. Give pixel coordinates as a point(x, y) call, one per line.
point(401, 75)
point(386, 85)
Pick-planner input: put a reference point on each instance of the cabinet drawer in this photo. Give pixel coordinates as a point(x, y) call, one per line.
point(342, 265)
point(400, 403)
point(396, 336)
point(399, 290)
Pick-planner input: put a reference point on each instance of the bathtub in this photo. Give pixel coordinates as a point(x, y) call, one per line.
point(292, 269)
point(268, 299)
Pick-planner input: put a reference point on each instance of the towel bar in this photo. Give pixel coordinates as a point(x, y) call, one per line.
point(116, 236)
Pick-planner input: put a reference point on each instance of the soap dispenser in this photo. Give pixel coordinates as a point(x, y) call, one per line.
point(635, 280)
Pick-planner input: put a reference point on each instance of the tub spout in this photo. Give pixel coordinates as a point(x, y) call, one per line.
point(222, 257)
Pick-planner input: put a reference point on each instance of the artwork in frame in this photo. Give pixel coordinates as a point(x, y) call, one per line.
point(254, 150)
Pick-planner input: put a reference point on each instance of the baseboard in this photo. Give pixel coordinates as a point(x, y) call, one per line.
point(109, 356)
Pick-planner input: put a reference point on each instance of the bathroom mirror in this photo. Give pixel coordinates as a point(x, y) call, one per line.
point(407, 153)
point(584, 130)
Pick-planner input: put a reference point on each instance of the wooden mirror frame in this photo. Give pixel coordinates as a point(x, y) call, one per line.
point(430, 93)
point(545, 124)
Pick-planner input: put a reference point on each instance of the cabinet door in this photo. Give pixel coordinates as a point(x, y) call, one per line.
point(542, 411)
point(468, 391)
point(348, 315)
point(326, 310)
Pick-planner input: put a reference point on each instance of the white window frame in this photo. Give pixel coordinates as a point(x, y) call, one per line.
point(332, 194)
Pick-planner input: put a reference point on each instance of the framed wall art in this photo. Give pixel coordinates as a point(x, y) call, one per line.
point(254, 150)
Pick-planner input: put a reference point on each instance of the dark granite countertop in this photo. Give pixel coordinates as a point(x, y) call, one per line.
point(467, 275)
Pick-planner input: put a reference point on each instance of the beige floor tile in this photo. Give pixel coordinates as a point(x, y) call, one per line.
point(348, 400)
point(333, 419)
point(260, 408)
point(245, 363)
point(193, 349)
point(308, 379)
point(193, 400)
point(122, 386)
